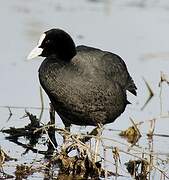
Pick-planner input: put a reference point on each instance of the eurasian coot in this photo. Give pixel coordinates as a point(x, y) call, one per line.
point(87, 86)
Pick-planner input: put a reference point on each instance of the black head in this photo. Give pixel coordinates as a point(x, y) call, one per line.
point(55, 42)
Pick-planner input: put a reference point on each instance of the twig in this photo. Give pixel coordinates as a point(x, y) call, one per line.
point(50, 139)
point(138, 134)
point(24, 107)
point(151, 94)
point(116, 157)
point(10, 114)
point(163, 78)
point(44, 126)
point(135, 126)
point(160, 95)
point(150, 143)
point(152, 128)
point(100, 130)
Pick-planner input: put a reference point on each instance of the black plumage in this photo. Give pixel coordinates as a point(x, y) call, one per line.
point(87, 86)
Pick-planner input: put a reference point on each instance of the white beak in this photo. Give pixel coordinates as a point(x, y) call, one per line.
point(37, 51)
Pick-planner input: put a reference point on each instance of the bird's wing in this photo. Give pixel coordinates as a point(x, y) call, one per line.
point(116, 68)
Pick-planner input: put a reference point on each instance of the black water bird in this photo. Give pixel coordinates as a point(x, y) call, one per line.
point(86, 85)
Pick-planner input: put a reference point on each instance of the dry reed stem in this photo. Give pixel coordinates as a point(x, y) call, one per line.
point(75, 139)
point(10, 114)
point(42, 103)
point(24, 107)
point(100, 130)
point(151, 94)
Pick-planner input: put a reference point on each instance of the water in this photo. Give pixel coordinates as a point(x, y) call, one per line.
point(136, 30)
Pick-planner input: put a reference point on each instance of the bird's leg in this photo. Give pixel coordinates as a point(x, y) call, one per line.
point(99, 133)
point(67, 128)
point(51, 131)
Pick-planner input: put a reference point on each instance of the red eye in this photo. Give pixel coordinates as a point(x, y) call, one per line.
point(47, 41)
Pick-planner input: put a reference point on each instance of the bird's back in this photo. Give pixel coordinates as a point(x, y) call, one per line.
point(108, 65)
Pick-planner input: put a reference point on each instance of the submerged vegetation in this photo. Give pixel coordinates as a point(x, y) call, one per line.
point(86, 155)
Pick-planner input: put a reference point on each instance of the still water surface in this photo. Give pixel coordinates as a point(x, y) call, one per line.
point(136, 30)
